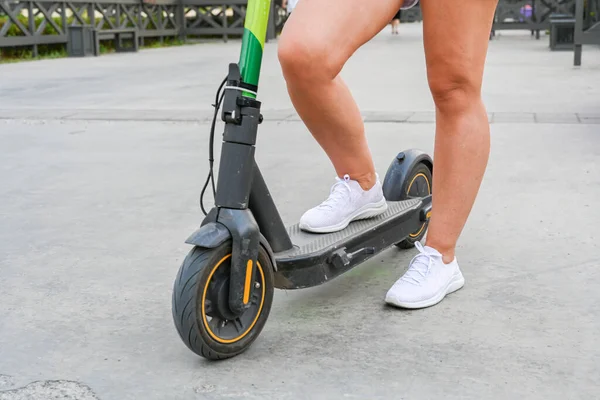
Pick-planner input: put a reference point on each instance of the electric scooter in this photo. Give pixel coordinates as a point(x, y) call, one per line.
point(242, 251)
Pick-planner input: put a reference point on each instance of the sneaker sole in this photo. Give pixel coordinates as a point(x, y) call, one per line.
point(456, 283)
point(365, 212)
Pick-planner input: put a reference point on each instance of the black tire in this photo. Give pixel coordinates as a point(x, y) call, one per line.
point(192, 305)
point(419, 184)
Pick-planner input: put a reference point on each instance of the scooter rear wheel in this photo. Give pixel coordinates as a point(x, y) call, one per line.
point(201, 307)
point(419, 185)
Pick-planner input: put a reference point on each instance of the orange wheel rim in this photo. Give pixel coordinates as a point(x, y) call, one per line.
point(420, 174)
point(212, 334)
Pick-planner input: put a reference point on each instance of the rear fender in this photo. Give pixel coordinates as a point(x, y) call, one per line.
point(396, 183)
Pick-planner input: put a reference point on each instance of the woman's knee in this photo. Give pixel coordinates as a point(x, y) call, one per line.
point(453, 89)
point(304, 59)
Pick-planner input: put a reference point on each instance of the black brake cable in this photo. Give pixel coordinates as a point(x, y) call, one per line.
point(211, 159)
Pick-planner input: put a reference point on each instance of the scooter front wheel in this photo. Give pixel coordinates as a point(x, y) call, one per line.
point(201, 307)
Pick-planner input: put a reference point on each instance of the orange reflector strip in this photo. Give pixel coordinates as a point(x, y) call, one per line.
point(428, 215)
point(248, 282)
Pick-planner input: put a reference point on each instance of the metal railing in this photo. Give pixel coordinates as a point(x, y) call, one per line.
point(530, 15)
point(33, 23)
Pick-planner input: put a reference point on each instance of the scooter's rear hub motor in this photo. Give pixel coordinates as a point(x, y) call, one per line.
point(419, 186)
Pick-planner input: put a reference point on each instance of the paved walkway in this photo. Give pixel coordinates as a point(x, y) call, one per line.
point(101, 164)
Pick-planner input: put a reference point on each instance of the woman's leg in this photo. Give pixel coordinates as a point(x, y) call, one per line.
point(315, 44)
point(456, 39)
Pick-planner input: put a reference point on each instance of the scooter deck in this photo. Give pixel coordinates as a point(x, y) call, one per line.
point(316, 258)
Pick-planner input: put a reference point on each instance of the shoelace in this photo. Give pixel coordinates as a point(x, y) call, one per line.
point(419, 266)
point(337, 193)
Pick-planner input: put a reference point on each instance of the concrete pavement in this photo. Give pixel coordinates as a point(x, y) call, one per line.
point(98, 194)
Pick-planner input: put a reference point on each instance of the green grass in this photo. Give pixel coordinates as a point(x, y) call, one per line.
point(155, 43)
point(53, 51)
point(27, 55)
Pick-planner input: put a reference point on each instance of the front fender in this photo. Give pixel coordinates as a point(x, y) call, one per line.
point(210, 235)
point(214, 234)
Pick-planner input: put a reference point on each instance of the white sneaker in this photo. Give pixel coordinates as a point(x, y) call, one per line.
point(426, 282)
point(347, 202)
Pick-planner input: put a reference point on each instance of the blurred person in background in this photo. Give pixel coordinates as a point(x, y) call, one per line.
point(396, 22)
point(289, 5)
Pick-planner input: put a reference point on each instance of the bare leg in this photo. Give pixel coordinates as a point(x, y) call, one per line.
point(456, 40)
point(316, 42)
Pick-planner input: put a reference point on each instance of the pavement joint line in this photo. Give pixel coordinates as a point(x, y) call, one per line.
point(368, 117)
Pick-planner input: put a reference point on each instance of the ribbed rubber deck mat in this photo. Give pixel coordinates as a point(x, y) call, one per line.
point(306, 243)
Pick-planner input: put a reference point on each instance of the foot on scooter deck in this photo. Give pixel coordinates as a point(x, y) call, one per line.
point(317, 258)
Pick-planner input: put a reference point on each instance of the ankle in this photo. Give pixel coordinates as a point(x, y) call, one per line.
point(366, 181)
point(447, 251)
